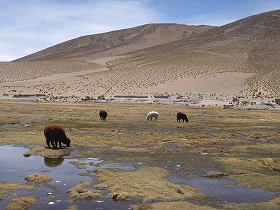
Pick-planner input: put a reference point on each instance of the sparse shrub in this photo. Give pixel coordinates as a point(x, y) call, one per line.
point(244, 103)
point(102, 97)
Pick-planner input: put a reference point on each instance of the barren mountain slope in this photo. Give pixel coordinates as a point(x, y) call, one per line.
point(249, 45)
point(251, 35)
point(166, 57)
point(116, 42)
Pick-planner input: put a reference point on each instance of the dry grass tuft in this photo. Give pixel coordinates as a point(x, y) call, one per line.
point(73, 207)
point(80, 192)
point(38, 178)
point(146, 183)
point(6, 188)
point(21, 203)
point(46, 152)
point(79, 165)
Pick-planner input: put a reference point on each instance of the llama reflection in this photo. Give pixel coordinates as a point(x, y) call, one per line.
point(53, 162)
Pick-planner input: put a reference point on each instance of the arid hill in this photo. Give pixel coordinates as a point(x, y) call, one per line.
point(153, 55)
point(116, 43)
point(249, 45)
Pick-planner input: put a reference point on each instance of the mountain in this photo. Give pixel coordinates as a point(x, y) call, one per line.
point(249, 45)
point(116, 42)
point(157, 54)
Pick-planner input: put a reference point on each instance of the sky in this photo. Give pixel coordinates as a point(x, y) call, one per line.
point(28, 26)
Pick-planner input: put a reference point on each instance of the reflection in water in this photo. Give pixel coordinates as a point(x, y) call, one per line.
point(53, 162)
point(52, 195)
point(65, 176)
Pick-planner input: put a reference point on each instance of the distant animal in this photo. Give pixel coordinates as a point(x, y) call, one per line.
point(152, 114)
point(103, 115)
point(56, 134)
point(182, 116)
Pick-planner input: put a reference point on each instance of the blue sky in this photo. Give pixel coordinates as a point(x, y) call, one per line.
point(27, 26)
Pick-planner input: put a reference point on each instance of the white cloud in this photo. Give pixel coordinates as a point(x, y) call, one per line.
point(207, 19)
point(33, 25)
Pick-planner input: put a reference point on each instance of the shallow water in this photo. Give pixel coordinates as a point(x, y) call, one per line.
point(224, 189)
point(53, 195)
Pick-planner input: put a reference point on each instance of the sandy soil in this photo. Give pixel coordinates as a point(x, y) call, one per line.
point(221, 84)
point(95, 83)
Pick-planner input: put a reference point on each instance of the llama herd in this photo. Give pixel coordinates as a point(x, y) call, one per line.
point(55, 134)
point(180, 116)
point(152, 114)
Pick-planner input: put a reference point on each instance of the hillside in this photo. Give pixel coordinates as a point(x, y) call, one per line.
point(249, 45)
point(240, 59)
point(116, 43)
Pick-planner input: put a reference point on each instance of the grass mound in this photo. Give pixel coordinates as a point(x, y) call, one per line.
point(146, 183)
point(38, 178)
point(80, 192)
point(21, 203)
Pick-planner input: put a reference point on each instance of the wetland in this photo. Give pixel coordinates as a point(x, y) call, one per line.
point(220, 159)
